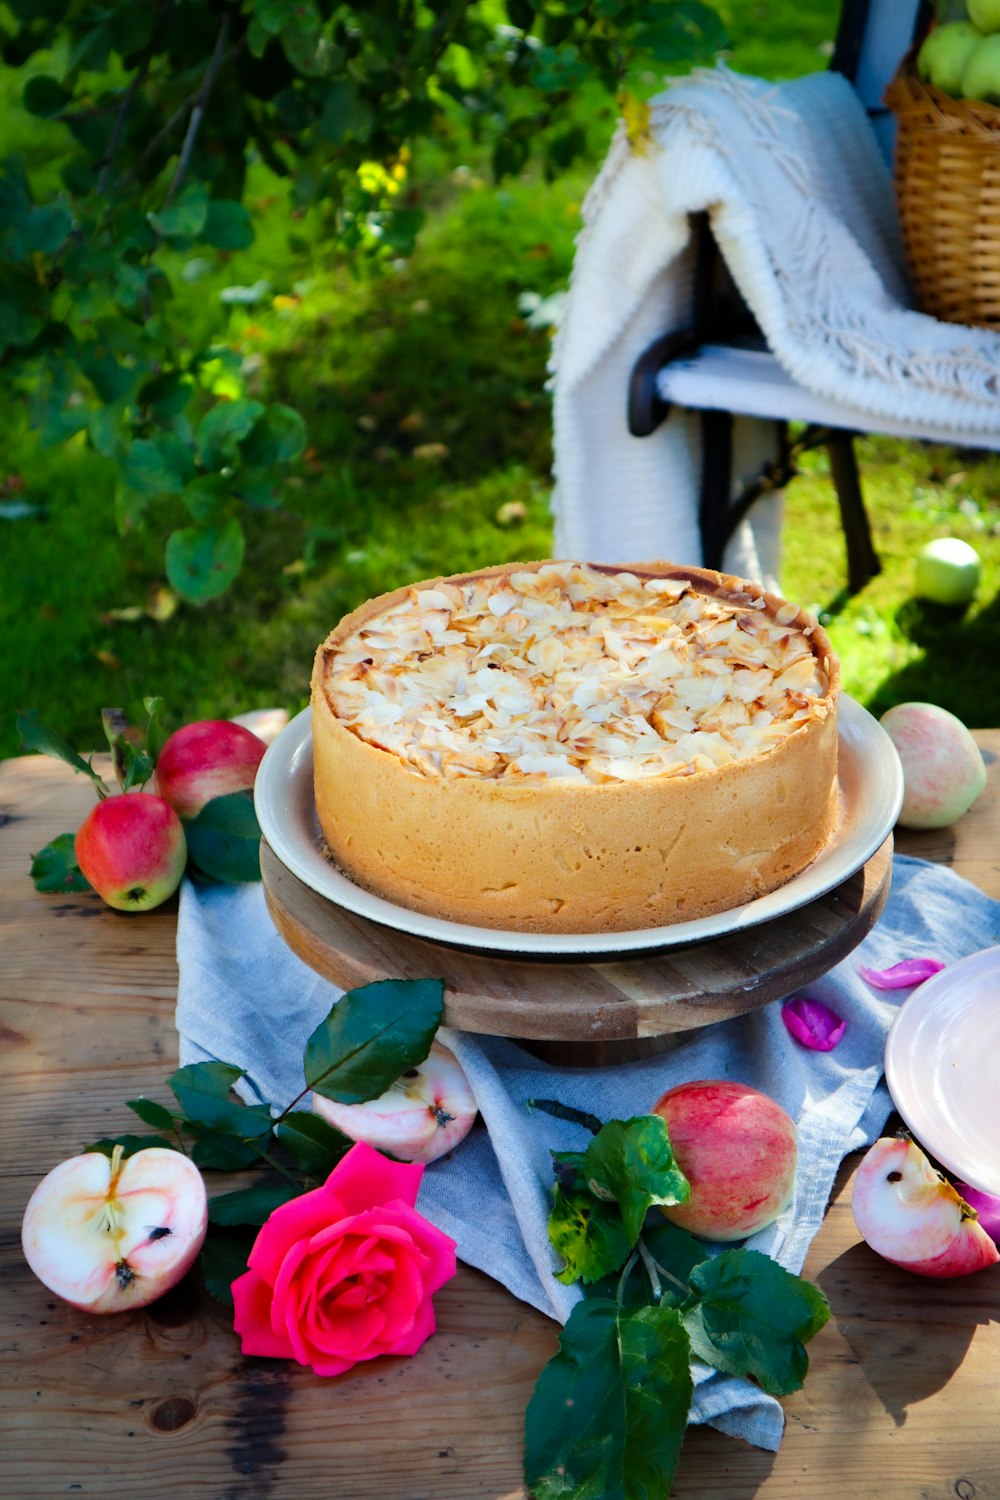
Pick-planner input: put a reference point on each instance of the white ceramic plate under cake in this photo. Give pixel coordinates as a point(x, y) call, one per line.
point(871, 784)
point(942, 1065)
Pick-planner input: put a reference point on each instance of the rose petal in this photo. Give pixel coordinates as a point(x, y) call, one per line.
point(901, 975)
point(812, 1023)
point(364, 1178)
point(987, 1208)
point(252, 1318)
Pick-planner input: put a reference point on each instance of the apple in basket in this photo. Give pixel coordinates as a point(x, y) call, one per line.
point(984, 13)
point(981, 79)
point(209, 758)
point(943, 768)
point(912, 1216)
point(132, 850)
point(108, 1234)
point(737, 1149)
point(419, 1117)
point(944, 53)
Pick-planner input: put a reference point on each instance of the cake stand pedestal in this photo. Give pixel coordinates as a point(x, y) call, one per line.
point(587, 1012)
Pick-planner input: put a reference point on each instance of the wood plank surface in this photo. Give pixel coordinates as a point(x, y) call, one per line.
point(902, 1401)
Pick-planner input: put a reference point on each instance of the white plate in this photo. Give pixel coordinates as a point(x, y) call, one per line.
point(871, 794)
point(942, 1065)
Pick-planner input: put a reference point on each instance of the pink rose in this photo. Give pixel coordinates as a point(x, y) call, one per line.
point(346, 1272)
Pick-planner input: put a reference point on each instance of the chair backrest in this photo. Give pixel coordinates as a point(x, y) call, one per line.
point(872, 37)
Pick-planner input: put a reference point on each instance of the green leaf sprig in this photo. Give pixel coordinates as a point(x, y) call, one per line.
point(608, 1415)
point(371, 1036)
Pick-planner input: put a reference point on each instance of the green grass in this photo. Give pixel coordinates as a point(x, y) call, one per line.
point(429, 451)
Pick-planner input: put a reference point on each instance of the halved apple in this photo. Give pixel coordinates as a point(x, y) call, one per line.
point(912, 1216)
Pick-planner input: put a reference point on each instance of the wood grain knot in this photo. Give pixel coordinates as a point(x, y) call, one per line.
point(173, 1413)
point(965, 1489)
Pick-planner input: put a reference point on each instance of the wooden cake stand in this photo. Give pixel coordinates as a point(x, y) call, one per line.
point(587, 1012)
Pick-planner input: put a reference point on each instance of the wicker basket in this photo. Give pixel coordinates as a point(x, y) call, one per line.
point(947, 173)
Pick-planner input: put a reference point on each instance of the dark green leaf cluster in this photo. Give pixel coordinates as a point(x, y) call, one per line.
point(369, 1039)
point(154, 111)
point(608, 1415)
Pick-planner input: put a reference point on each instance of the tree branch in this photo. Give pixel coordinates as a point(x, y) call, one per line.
point(111, 151)
point(198, 108)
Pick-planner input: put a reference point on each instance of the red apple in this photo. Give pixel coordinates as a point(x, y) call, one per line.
point(910, 1215)
point(132, 850)
point(207, 759)
point(107, 1234)
point(943, 768)
point(736, 1147)
point(418, 1118)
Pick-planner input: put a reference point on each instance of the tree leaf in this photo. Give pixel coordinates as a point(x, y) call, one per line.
point(223, 1260)
point(632, 1163)
point(151, 1113)
point(54, 868)
point(202, 561)
point(589, 1235)
point(204, 1092)
point(224, 839)
point(159, 466)
point(36, 735)
point(314, 1144)
point(44, 96)
point(185, 217)
point(607, 1418)
point(278, 436)
point(156, 734)
point(222, 429)
point(252, 1205)
point(372, 1036)
point(208, 498)
point(754, 1319)
point(227, 226)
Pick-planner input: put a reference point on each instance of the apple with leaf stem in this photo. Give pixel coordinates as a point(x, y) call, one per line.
point(206, 759)
point(108, 1234)
point(912, 1216)
point(419, 1117)
point(736, 1146)
point(132, 850)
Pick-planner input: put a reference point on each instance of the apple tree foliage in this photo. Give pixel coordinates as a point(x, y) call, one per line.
point(162, 105)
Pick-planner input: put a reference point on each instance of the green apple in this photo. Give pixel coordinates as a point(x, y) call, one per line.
point(948, 570)
point(984, 13)
point(944, 54)
point(981, 79)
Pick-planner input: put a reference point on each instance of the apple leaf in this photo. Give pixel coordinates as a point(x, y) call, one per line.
point(314, 1144)
point(224, 839)
point(631, 1162)
point(156, 735)
point(130, 1144)
point(223, 1258)
point(589, 1235)
point(661, 1275)
point(132, 767)
point(372, 1036)
point(253, 1205)
point(36, 735)
point(54, 868)
point(754, 1318)
point(204, 1092)
point(608, 1415)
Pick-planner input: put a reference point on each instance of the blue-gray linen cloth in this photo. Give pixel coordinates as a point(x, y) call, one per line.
point(245, 998)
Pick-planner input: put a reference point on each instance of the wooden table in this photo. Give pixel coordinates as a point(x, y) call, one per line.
point(902, 1401)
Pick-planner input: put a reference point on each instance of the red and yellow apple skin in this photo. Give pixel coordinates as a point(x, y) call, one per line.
point(207, 759)
point(132, 850)
point(737, 1149)
point(943, 767)
point(421, 1116)
point(912, 1216)
point(108, 1234)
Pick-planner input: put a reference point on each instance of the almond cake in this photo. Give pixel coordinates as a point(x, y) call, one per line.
point(567, 747)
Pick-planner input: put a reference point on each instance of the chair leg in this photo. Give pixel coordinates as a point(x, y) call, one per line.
point(716, 484)
point(862, 560)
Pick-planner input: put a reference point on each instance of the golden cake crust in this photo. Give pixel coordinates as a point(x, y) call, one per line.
point(538, 853)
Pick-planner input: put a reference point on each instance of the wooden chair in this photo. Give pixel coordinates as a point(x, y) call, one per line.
point(723, 344)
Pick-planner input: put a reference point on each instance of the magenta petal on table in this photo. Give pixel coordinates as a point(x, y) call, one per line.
point(813, 1024)
point(900, 976)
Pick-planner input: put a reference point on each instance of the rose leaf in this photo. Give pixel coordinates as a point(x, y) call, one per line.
point(609, 1412)
point(151, 1113)
point(253, 1205)
point(372, 1036)
point(754, 1319)
point(314, 1144)
point(223, 1258)
point(203, 1091)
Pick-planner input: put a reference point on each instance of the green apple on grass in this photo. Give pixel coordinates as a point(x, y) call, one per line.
point(948, 570)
